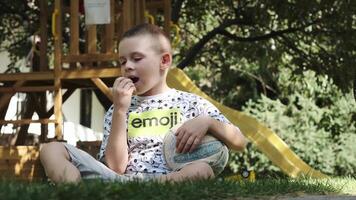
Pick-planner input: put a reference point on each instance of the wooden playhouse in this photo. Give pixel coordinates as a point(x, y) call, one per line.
point(84, 56)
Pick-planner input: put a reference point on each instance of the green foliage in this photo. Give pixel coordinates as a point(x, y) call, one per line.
point(314, 118)
point(18, 21)
point(245, 57)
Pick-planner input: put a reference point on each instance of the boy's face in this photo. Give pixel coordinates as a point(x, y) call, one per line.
point(143, 64)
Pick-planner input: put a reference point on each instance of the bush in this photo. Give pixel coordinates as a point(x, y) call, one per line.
point(313, 117)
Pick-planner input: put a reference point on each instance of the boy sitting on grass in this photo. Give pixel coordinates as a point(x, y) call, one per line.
point(135, 125)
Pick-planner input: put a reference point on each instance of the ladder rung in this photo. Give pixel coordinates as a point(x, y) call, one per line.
point(90, 73)
point(27, 89)
point(90, 57)
point(27, 121)
point(27, 76)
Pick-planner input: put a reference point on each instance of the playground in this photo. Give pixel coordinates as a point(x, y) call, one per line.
point(287, 88)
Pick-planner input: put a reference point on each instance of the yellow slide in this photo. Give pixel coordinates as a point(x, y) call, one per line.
point(265, 140)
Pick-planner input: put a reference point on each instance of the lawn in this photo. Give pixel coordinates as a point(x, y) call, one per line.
point(212, 189)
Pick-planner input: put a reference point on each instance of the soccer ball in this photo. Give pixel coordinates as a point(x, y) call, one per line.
point(211, 150)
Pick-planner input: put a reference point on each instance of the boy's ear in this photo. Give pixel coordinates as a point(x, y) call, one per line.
point(166, 60)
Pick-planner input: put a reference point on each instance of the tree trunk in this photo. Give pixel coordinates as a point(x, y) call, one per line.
point(27, 113)
point(3, 111)
point(85, 107)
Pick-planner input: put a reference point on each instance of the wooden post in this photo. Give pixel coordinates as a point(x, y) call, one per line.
point(127, 14)
point(74, 29)
point(139, 12)
point(58, 69)
point(43, 35)
point(91, 41)
point(167, 16)
point(107, 36)
point(119, 25)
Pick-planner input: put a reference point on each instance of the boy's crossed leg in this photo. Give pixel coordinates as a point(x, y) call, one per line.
point(56, 162)
point(60, 168)
point(194, 171)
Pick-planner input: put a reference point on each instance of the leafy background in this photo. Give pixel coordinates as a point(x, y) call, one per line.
point(290, 64)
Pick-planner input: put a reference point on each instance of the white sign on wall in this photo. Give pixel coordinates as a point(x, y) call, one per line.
point(97, 11)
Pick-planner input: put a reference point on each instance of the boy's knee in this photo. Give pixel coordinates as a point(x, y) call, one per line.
point(54, 158)
point(52, 150)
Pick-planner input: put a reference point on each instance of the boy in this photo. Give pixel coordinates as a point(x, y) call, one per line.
point(135, 125)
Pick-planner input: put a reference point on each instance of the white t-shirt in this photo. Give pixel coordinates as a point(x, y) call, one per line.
point(148, 119)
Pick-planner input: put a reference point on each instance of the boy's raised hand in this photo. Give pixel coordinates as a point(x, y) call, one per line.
point(191, 133)
point(122, 90)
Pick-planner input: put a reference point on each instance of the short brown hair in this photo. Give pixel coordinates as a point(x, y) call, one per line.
point(149, 29)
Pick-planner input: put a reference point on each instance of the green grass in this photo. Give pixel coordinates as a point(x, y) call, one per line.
point(212, 189)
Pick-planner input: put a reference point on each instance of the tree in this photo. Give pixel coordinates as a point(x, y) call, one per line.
point(247, 42)
point(238, 50)
point(18, 21)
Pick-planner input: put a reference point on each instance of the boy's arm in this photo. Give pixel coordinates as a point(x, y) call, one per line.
point(228, 133)
point(190, 134)
point(116, 154)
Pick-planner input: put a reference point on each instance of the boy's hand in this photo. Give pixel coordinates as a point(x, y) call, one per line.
point(190, 134)
point(122, 90)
